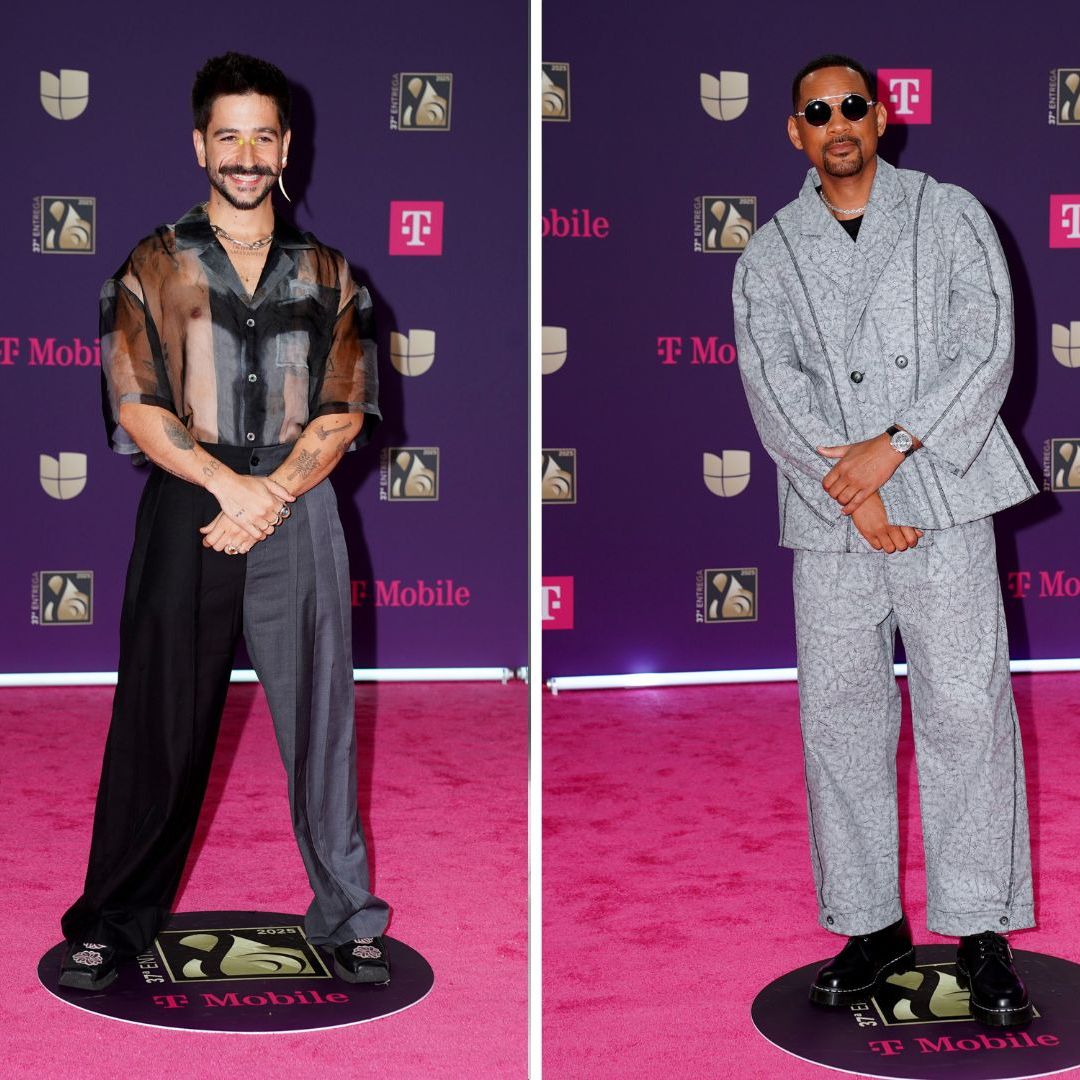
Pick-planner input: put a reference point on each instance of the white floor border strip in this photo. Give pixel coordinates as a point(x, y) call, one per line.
point(454, 674)
point(559, 683)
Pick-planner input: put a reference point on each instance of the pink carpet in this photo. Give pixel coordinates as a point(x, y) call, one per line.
point(677, 876)
point(443, 793)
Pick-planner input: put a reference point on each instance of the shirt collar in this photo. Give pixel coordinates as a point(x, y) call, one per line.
point(193, 231)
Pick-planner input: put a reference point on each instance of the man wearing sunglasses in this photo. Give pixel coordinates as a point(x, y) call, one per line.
point(873, 317)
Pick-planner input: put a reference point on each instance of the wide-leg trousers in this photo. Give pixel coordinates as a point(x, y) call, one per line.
point(184, 609)
point(944, 596)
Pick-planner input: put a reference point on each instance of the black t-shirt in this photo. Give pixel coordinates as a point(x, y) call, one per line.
point(851, 226)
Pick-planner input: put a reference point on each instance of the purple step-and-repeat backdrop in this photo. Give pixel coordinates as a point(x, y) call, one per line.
point(409, 154)
point(664, 148)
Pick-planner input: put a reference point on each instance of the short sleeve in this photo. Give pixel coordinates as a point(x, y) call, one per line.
point(132, 364)
point(350, 381)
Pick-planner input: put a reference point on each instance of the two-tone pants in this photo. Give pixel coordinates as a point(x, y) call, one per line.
point(184, 609)
point(944, 596)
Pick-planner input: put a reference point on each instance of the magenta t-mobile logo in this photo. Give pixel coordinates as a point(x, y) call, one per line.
point(1065, 221)
point(416, 228)
point(905, 92)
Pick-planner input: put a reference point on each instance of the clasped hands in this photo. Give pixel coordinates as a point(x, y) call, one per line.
point(860, 471)
point(251, 506)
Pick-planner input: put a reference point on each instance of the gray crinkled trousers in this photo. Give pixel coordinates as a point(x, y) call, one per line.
point(944, 596)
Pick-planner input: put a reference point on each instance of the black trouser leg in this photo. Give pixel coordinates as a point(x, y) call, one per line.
point(182, 616)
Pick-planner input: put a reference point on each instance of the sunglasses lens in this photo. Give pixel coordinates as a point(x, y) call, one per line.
point(818, 113)
point(854, 107)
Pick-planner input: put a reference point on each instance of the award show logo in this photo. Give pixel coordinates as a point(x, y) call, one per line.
point(1065, 221)
point(727, 595)
point(410, 474)
point(63, 477)
point(557, 603)
point(559, 483)
point(412, 353)
point(727, 474)
point(443, 592)
point(724, 223)
point(65, 96)
point(1051, 584)
point(726, 96)
point(1065, 96)
point(64, 224)
point(1065, 344)
point(420, 101)
point(260, 952)
point(906, 94)
point(416, 228)
point(555, 92)
point(44, 352)
point(552, 348)
point(1065, 465)
point(63, 598)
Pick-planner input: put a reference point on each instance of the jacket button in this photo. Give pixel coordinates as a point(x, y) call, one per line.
point(253, 377)
point(829, 919)
point(1004, 921)
point(856, 377)
point(251, 322)
point(901, 361)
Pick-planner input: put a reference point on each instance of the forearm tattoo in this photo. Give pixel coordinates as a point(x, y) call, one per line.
point(177, 434)
point(211, 467)
point(325, 433)
point(305, 464)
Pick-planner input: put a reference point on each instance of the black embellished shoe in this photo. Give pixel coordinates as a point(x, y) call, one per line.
point(363, 960)
point(984, 966)
point(88, 966)
point(864, 963)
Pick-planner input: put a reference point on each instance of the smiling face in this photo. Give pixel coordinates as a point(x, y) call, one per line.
point(243, 149)
point(840, 147)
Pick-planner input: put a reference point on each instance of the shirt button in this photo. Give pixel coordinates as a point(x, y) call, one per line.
point(901, 361)
point(253, 377)
point(1004, 921)
point(251, 322)
point(251, 436)
point(856, 377)
point(829, 919)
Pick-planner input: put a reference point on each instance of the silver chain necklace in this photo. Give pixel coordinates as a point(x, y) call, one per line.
point(837, 210)
point(253, 245)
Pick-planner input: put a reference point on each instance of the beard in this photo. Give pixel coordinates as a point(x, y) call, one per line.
point(255, 199)
point(847, 166)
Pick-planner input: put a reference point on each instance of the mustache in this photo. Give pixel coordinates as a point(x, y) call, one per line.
point(240, 170)
point(840, 139)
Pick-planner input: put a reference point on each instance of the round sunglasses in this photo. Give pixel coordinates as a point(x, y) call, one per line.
point(818, 113)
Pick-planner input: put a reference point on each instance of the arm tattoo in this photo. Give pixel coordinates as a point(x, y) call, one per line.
point(211, 467)
point(325, 433)
point(178, 435)
point(305, 464)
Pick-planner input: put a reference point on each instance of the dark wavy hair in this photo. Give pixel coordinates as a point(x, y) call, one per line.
point(236, 73)
point(827, 61)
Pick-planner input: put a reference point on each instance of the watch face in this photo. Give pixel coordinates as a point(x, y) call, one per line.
point(901, 441)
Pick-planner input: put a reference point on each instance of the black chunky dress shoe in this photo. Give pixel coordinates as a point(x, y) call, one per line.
point(88, 966)
point(984, 966)
point(363, 960)
point(864, 963)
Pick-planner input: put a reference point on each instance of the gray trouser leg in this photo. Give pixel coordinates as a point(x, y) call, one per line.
point(297, 625)
point(967, 740)
point(946, 599)
point(850, 712)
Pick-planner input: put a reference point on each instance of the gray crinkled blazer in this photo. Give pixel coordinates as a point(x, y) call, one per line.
point(911, 325)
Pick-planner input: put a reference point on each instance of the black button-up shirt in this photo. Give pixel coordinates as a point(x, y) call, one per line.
point(179, 330)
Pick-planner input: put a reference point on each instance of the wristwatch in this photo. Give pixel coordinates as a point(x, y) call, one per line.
point(900, 441)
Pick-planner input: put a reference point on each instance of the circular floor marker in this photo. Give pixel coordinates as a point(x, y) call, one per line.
point(242, 971)
point(918, 1025)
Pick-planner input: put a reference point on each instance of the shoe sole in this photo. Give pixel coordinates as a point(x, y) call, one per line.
point(84, 980)
point(369, 977)
point(820, 996)
point(998, 1018)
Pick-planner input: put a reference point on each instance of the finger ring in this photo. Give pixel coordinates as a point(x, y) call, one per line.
point(230, 550)
point(276, 520)
point(285, 511)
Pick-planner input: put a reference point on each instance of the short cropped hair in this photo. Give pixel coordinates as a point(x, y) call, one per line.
point(827, 61)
